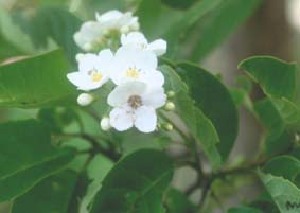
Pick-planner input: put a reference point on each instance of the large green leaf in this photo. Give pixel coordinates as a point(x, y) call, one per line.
point(276, 77)
point(135, 184)
point(283, 192)
point(219, 23)
point(27, 156)
point(213, 98)
point(50, 195)
point(200, 126)
point(244, 210)
point(36, 81)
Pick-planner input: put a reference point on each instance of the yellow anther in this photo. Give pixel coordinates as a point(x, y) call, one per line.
point(96, 77)
point(132, 73)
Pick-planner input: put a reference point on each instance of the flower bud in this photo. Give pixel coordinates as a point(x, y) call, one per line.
point(169, 106)
point(168, 126)
point(84, 99)
point(79, 56)
point(170, 94)
point(105, 124)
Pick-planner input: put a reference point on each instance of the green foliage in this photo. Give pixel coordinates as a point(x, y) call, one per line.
point(200, 126)
point(59, 189)
point(136, 183)
point(177, 202)
point(25, 83)
point(244, 210)
point(27, 156)
point(219, 107)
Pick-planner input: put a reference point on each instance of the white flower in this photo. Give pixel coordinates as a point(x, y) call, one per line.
point(84, 99)
point(115, 20)
point(95, 35)
point(138, 40)
point(90, 36)
point(93, 70)
point(135, 65)
point(134, 105)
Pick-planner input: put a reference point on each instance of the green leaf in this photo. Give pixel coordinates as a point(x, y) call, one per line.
point(27, 156)
point(177, 202)
point(287, 167)
point(283, 192)
point(36, 81)
point(200, 126)
point(135, 184)
point(97, 170)
point(276, 77)
point(50, 195)
point(179, 4)
point(244, 210)
point(213, 98)
point(218, 25)
point(276, 139)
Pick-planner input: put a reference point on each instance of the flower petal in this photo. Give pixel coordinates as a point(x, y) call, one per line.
point(158, 46)
point(83, 81)
point(153, 78)
point(134, 39)
point(154, 97)
point(119, 96)
point(146, 119)
point(121, 119)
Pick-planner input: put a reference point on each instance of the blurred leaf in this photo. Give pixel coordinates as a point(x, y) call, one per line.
point(213, 98)
point(97, 170)
point(27, 156)
point(135, 184)
point(36, 81)
point(179, 4)
point(244, 210)
point(200, 126)
point(283, 192)
point(276, 77)
point(50, 195)
point(219, 23)
point(177, 202)
point(287, 167)
point(277, 139)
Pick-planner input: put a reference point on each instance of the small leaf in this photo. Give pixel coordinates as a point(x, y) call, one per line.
point(36, 81)
point(283, 192)
point(276, 77)
point(277, 138)
point(287, 167)
point(27, 156)
point(135, 184)
point(50, 195)
point(213, 98)
point(177, 202)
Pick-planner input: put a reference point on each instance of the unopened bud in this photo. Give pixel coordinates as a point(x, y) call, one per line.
point(170, 94)
point(105, 124)
point(84, 99)
point(169, 106)
point(79, 56)
point(168, 126)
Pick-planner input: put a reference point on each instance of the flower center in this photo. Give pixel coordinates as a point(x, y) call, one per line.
point(134, 101)
point(96, 76)
point(133, 73)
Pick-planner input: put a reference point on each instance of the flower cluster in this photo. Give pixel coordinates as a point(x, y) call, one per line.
point(133, 69)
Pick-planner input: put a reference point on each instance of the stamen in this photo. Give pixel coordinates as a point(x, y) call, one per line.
point(96, 76)
point(134, 101)
point(133, 73)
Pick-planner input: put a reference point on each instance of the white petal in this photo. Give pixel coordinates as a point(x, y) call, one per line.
point(153, 78)
point(158, 46)
point(88, 62)
point(119, 96)
point(154, 97)
point(108, 16)
point(121, 119)
point(83, 81)
point(146, 119)
point(135, 40)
